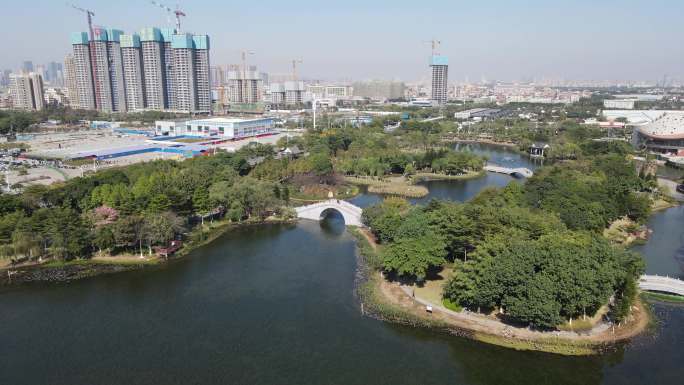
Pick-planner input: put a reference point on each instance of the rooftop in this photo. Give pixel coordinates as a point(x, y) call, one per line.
point(227, 120)
point(670, 125)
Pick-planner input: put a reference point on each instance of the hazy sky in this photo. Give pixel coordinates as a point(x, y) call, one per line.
point(363, 39)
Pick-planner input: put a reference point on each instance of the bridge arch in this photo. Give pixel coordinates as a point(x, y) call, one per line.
point(316, 211)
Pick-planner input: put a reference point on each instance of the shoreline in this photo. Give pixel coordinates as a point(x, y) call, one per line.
point(429, 176)
point(399, 186)
point(391, 302)
point(485, 141)
point(54, 271)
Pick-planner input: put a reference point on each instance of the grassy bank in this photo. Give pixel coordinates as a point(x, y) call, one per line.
point(98, 265)
point(663, 297)
point(423, 176)
point(390, 186)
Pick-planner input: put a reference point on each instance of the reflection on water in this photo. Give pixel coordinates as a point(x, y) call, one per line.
point(463, 190)
point(664, 251)
point(332, 223)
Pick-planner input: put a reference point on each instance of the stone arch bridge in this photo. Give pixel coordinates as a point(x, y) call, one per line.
point(351, 213)
point(662, 284)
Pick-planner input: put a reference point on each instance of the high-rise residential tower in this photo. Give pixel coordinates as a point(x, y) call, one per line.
point(70, 80)
point(116, 74)
point(244, 85)
point(54, 73)
point(108, 70)
point(184, 72)
point(153, 68)
point(83, 72)
point(440, 72)
point(27, 66)
point(168, 66)
point(102, 81)
point(133, 72)
point(202, 65)
point(27, 91)
point(192, 88)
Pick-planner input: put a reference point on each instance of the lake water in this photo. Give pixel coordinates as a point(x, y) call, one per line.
point(276, 305)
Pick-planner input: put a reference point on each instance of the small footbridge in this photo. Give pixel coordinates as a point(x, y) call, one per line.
point(661, 284)
point(515, 172)
point(316, 211)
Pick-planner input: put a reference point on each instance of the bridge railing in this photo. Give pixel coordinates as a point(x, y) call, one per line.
point(332, 202)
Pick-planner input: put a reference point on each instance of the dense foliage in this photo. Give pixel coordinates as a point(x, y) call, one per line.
point(533, 251)
point(134, 207)
point(24, 121)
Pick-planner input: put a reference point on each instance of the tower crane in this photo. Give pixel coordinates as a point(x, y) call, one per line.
point(294, 68)
point(178, 12)
point(435, 46)
point(93, 61)
point(243, 56)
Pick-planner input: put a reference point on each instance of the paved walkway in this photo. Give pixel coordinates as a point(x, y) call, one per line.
point(672, 187)
point(492, 326)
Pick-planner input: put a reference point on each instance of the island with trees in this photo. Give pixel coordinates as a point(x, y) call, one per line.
point(529, 256)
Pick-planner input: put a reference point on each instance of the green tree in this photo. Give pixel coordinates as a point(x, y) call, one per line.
point(414, 256)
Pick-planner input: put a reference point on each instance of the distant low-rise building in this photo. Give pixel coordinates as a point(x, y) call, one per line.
point(620, 104)
point(379, 89)
point(480, 114)
point(219, 128)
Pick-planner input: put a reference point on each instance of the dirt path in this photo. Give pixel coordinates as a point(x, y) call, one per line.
point(603, 333)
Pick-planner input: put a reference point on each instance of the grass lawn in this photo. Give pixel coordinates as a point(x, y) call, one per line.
point(432, 289)
point(663, 297)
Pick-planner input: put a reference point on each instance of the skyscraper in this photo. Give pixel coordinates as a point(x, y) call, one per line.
point(192, 89)
point(27, 91)
point(202, 64)
point(70, 80)
point(168, 67)
point(440, 72)
point(244, 85)
point(83, 72)
point(153, 67)
point(133, 72)
point(27, 66)
point(54, 73)
point(116, 75)
point(184, 70)
point(101, 75)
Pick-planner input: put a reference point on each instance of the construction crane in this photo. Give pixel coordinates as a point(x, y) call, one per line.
point(90, 15)
point(177, 12)
point(93, 62)
point(294, 68)
point(435, 46)
point(243, 56)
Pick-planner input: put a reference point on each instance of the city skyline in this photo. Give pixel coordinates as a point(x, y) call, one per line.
point(388, 40)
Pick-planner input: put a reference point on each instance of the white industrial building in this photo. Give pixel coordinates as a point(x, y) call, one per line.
point(219, 128)
point(621, 104)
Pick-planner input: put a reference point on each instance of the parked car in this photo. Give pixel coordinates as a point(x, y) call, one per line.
point(680, 188)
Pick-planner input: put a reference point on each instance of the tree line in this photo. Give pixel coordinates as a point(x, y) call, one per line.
point(134, 208)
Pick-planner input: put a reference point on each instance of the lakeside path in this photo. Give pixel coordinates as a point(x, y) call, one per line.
point(671, 186)
point(412, 305)
point(487, 329)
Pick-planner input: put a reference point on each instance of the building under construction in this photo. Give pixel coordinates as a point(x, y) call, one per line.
point(157, 69)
